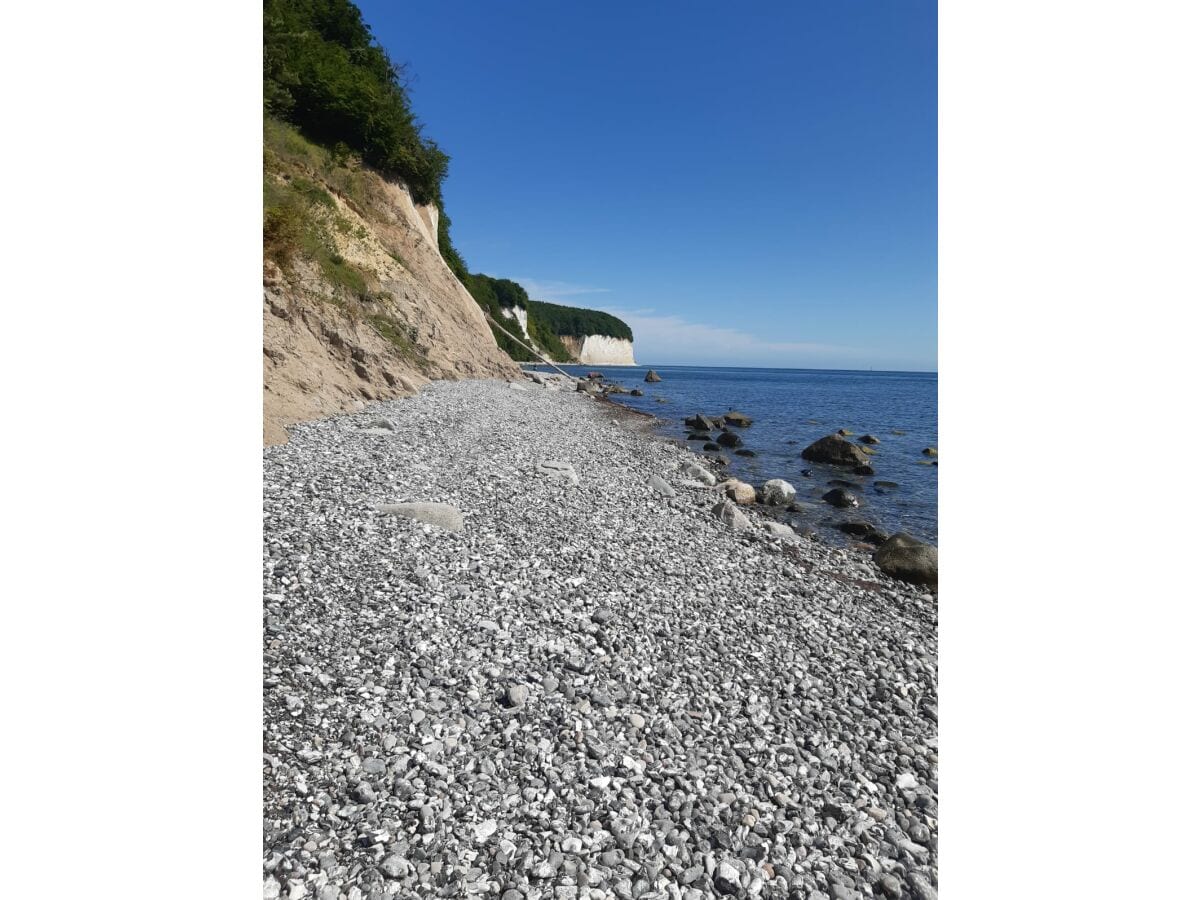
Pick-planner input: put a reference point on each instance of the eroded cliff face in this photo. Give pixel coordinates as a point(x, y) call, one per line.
point(601, 350)
point(373, 317)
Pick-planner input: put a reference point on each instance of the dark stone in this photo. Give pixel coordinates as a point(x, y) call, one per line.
point(652, 376)
point(807, 473)
point(745, 452)
point(835, 450)
point(930, 451)
point(869, 439)
point(904, 557)
point(864, 530)
point(741, 420)
point(883, 487)
point(699, 436)
point(637, 392)
point(711, 446)
point(729, 439)
point(841, 498)
point(864, 469)
point(700, 423)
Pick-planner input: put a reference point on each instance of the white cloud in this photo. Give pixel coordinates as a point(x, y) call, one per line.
point(671, 339)
point(556, 290)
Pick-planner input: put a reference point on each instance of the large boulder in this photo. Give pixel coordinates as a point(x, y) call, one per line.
point(700, 423)
point(741, 420)
point(930, 451)
point(732, 516)
point(778, 492)
point(652, 376)
point(729, 439)
point(869, 439)
point(738, 491)
point(904, 557)
point(835, 450)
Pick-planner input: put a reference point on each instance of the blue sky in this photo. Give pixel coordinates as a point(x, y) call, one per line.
point(746, 184)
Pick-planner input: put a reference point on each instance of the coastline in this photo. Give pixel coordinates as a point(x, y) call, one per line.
point(590, 685)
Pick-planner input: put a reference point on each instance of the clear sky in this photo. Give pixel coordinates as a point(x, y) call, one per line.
point(744, 184)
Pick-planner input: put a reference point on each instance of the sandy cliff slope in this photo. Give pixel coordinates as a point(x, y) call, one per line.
point(358, 303)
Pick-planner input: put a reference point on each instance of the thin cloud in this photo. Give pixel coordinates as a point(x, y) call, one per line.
point(556, 290)
point(668, 338)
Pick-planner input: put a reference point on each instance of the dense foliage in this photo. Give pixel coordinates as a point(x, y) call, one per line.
point(326, 74)
point(569, 320)
point(327, 77)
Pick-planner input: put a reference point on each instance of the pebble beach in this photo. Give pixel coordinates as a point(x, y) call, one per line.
point(518, 646)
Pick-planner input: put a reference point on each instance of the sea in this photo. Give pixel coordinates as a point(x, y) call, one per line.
point(790, 409)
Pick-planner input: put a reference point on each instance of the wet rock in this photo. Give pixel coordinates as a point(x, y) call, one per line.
point(930, 451)
point(864, 469)
point(869, 439)
point(652, 376)
point(744, 451)
point(729, 439)
point(841, 498)
point(741, 420)
point(835, 450)
point(711, 446)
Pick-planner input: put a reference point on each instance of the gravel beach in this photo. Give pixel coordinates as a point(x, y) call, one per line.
point(580, 684)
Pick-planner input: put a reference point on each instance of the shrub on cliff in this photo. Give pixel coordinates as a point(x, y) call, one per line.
point(324, 72)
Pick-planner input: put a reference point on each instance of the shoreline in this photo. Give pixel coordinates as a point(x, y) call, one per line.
point(587, 686)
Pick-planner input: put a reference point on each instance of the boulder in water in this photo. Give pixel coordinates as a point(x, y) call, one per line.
point(836, 451)
point(741, 420)
point(742, 451)
point(864, 469)
point(729, 439)
point(841, 498)
point(699, 436)
point(930, 451)
point(869, 439)
point(652, 376)
point(700, 423)
point(845, 432)
point(637, 392)
point(904, 557)
point(711, 446)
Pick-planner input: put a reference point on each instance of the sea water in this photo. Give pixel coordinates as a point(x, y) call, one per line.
point(791, 408)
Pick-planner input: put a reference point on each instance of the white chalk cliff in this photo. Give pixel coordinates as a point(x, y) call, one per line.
point(601, 350)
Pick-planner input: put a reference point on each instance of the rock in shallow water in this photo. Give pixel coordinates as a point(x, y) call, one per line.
point(835, 450)
point(778, 492)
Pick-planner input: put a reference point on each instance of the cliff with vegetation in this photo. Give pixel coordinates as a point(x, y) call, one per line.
point(364, 295)
point(591, 337)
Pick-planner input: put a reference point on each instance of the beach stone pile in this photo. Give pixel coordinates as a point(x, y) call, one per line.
point(484, 677)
